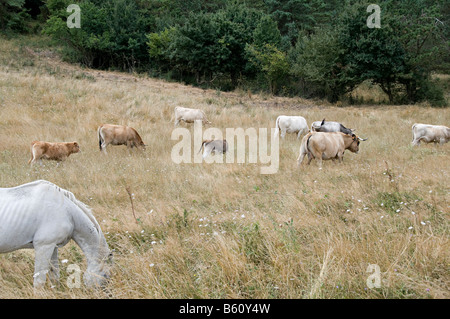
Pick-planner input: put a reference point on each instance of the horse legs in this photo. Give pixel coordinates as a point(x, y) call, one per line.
point(53, 275)
point(44, 259)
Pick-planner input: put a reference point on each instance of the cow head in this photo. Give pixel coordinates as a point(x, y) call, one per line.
point(354, 146)
point(75, 147)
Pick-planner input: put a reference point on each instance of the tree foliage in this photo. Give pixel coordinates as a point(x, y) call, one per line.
point(312, 48)
point(13, 15)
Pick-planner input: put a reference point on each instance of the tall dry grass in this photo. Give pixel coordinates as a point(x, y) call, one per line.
point(224, 230)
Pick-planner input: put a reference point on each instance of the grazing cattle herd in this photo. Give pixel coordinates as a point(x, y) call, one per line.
point(324, 146)
point(42, 216)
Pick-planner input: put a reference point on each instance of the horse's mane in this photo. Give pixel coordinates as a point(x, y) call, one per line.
point(84, 208)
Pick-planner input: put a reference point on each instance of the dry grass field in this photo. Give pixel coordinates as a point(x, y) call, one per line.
point(225, 230)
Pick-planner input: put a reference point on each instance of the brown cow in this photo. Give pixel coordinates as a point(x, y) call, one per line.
point(52, 151)
point(327, 145)
point(118, 135)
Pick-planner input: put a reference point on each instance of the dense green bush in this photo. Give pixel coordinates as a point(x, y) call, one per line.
point(113, 33)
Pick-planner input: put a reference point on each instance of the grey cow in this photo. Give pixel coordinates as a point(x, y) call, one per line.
point(330, 126)
point(218, 146)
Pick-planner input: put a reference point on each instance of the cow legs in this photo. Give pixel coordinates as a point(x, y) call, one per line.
point(302, 154)
point(34, 158)
point(129, 147)
point(300, 159)
point(38, 160)
point(310, 157)
point(301, 132)
point(320, 160)
point(103, 148)
point(207, 151)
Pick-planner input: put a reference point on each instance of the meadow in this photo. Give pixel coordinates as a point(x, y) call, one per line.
point(225, 230)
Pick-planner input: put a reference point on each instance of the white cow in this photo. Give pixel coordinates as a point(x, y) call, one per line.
point(189, 115)
point(42, 216)
point(430, 133)
point(291, 124)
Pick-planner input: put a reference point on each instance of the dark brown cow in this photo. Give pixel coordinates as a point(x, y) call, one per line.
point(52, 151)
point(118, 135)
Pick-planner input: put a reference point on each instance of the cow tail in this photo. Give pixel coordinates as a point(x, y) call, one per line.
point(31, 149)
point(31, 154)
point(277, 128)
point(201, 147)
point(307, 144)
point(413, 127)
point(100, 139)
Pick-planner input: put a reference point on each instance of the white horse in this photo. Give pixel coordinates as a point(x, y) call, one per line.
point(42, 216)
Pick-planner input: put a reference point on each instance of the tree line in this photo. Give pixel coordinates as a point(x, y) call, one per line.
point(308, 48)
